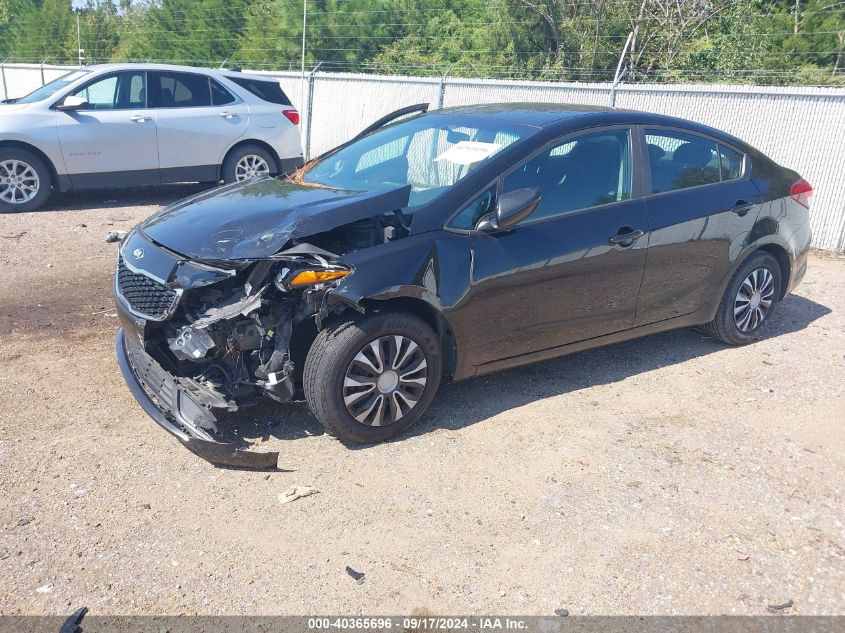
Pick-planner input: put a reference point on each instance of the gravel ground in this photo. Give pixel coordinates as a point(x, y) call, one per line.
point(661, 476)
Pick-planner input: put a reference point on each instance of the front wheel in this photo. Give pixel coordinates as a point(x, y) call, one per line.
point(25, 181)
point(749, 301)
point(370, 378)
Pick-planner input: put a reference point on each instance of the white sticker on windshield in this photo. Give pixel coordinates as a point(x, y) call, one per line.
point(469, 152)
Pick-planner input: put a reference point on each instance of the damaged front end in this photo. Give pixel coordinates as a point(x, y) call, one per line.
point(201, 336)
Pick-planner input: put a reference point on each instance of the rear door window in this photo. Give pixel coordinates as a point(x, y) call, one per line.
point(219, 94)
point(730, 163)
point(182, 90)
point(269, 91)
point(679, 161)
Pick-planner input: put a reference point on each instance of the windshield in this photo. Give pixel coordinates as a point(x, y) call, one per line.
point(430, 152)
point(49, 89)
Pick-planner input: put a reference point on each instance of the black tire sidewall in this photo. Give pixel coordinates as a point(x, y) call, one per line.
point(726, 310)
point(231, 161)
point(44, 177)
point(346, 427)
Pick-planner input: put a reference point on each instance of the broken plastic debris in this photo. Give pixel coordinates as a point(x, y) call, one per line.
point(356, 575)
point(296, 492)
point(781, 607)
point(71, 625)
point(115, 236)
point(562, 612)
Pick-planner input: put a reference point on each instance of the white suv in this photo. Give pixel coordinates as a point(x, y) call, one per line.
point(118, 125)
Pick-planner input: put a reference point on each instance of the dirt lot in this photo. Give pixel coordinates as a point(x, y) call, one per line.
point(666, 475)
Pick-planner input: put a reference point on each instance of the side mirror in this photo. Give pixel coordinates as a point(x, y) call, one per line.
point(512, 208)
point(72, 102)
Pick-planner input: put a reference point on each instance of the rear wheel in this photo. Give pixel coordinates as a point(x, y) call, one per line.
point(749, 301)
point(247, 162)
point(370, 378)
point(25, 181)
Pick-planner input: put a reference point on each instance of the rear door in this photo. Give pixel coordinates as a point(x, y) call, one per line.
point(198, 120)
point(701, 207)
point(112, 140)
point(572, 270)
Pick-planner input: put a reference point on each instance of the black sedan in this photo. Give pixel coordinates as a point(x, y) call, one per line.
point(445, 246)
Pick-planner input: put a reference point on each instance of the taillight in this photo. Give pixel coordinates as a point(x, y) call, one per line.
point(801, 191)
point(292, 115)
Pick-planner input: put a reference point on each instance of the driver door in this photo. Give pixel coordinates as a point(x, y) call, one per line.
point(111, 140)
point(570, 271)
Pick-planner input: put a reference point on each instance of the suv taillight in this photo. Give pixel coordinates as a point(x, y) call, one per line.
point(292, 115)
point(801, 191)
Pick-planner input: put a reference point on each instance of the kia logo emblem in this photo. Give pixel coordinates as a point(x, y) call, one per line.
point(138, 253)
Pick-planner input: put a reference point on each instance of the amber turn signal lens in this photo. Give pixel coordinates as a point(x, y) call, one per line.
point(307, 277)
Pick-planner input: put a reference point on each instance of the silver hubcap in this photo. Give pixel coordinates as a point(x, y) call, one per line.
point(385, 380)
point(754, 300)
point(19, 182)
point(251, 166)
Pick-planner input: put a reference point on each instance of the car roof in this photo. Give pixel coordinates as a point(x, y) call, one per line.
point(563, 117)
point(224, 72)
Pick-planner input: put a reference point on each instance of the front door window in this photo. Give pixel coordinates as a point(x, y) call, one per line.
point(589, 171)
point(121, 91)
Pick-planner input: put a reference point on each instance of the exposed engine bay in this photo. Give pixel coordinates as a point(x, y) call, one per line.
point(219, 308)
point(232, 339)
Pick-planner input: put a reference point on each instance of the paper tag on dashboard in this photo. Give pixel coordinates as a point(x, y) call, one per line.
point(469, 152)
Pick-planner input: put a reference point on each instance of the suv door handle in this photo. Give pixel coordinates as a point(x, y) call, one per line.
point(227, 115)
point(626, 236)
point(140, 118)
point(741, 207)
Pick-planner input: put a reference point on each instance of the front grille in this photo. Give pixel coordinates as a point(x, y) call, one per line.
point(145, 296)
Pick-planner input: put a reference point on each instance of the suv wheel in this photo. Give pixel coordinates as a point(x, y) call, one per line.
point(25, 181)
point(370, 378)
point(749, 301)
point(247, 162)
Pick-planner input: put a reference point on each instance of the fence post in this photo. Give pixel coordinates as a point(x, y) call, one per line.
point(42, 73)
point(620, 72)
point(3, 74)
point(441, 92)
point(309, 109)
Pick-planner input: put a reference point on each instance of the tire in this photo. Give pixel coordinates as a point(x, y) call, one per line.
point(726, 327)
point(241, 157)
point(329, 365)
point(20, 170)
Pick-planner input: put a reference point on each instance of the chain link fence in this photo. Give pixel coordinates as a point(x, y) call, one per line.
point(800, 127)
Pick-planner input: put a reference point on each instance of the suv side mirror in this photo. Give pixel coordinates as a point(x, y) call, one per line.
point(512, 208)
point(72, 102)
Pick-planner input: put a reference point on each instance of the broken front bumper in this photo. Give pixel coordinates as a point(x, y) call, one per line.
point(176, 411)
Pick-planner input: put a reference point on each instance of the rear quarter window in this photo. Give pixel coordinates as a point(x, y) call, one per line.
point(269, 91)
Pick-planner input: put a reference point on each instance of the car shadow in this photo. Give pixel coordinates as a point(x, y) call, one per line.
point(93, 199)
point(465, 403)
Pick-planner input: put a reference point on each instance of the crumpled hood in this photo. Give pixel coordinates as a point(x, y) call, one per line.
point(255, 219)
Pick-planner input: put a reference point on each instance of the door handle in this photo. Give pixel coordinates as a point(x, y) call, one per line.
point(626, 238)
point(227, 115)
point(741, 207)
point(140, 118)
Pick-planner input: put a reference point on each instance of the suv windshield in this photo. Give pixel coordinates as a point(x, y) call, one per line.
point(49, 89)
point(429, 152)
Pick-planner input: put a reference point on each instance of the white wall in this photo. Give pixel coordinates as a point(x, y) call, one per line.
point(802, 128)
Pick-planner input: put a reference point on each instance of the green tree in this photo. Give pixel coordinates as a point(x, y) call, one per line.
point(40, 30)
point(99, 31)
point(199, 32)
